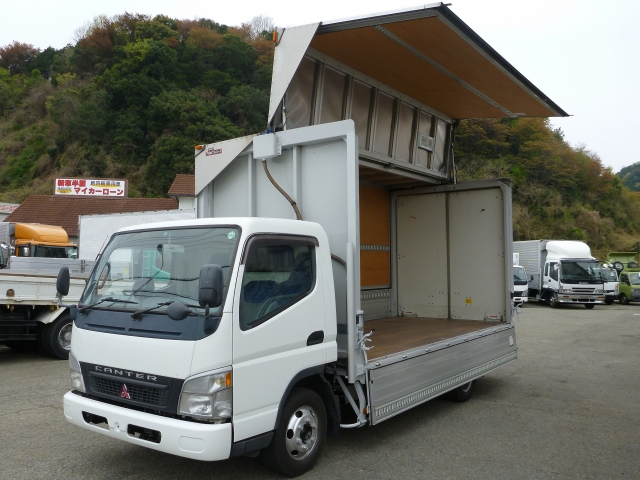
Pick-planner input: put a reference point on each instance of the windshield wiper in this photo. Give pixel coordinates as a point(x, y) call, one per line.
point(135, 315)
point(107, 299)
point(138, 313)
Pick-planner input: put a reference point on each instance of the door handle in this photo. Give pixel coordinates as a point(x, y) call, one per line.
point(315, 338)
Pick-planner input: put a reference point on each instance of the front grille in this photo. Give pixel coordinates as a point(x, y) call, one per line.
point(583, 290)
point(137, 393)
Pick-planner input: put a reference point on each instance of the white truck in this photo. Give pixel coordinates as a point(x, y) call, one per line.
point(562, 272)
point(30, 314)
point(520, 282)
point(337, 274)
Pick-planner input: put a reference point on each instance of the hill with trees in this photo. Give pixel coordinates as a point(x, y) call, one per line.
point(134, 94)
point(130, 99)
point(631, 176)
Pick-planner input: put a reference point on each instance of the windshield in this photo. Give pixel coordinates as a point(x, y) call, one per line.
point(158, 266)
point(635, 278)
point(49, 251)
point(519, 276)
point(609, 274)
point(585, 271)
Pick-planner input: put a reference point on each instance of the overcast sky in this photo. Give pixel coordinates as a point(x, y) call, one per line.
point(583, 54)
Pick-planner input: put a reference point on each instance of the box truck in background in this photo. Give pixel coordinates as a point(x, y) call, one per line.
point(561, 272)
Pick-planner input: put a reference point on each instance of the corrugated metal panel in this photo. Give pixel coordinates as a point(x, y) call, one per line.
point(529, 251)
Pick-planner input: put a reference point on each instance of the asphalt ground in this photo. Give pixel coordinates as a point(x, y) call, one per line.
point(567, 408)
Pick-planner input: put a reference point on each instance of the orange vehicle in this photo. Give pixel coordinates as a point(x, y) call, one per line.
point(45, 241)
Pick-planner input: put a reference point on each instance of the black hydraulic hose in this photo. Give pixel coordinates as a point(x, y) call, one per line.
point(294, 205)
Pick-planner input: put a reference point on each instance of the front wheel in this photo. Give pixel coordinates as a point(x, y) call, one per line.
point(299, 439)
point(608, 301)
point(553, 301)
point(462, 393)
point(56, 337)
point(623, 299)
point(589, 305)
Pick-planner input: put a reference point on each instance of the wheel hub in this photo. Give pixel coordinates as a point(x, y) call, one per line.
point(302, 432)
point(64, 337)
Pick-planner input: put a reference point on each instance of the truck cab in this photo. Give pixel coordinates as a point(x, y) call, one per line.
point(625, 264)
point(520, 285)
point(520, 281)
point(43, 241)
point(573, 280)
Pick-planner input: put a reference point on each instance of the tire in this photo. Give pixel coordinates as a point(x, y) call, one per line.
point(623, 299)
point(303, 410)
point(608, 301)
point(462, 393)
point(553, 302)
point(618, 266)
point(589, 306)
point(56, 337)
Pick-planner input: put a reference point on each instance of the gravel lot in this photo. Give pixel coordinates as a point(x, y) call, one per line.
point(567, 408)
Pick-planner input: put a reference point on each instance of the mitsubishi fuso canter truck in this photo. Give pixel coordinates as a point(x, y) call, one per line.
point(337, 274)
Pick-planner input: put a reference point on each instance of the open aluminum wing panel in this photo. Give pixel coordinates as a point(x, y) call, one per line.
point(426, 54)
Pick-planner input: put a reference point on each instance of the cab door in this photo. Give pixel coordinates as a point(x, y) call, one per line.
point(279, 323)
point(551, 276)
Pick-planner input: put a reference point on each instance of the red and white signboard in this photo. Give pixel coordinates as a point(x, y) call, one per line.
point(91, 187)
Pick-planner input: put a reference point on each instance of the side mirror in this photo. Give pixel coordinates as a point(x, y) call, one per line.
point(63, 281)
point(211, 286)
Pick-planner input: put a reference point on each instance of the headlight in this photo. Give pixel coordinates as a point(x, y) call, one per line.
point(599, 290)
point(565, 290)
point(525, 293)
point(207, 396)
point(77, 382)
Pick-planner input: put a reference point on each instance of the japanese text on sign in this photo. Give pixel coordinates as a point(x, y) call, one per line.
point(83, 187)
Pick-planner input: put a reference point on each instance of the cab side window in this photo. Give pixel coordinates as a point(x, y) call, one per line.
point(624, 278)
point(553, 271)
point(279, 272)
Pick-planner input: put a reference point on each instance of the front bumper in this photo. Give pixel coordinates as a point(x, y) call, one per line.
point(178, 437)
point(520, 299)
point(577, 298)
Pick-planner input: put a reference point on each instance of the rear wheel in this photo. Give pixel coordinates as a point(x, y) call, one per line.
point(589, 305)
point(56, 337)
point(462, 393)
point(299, 439)
point(623, 299)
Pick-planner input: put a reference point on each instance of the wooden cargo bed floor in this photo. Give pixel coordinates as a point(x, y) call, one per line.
point(398, 334)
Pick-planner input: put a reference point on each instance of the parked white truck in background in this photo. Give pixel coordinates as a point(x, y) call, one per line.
point(520, 282)
point(337, 274)
point(561, 272)
point(30, 315)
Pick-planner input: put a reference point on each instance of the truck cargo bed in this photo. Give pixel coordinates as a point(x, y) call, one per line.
point(398, 334)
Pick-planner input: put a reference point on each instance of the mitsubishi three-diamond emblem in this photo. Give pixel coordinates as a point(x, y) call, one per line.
point(125, 393)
